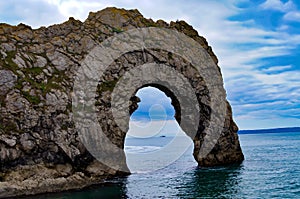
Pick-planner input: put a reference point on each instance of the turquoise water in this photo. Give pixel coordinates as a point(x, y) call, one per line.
point(271, 170)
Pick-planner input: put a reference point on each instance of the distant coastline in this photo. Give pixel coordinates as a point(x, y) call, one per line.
point(275, 130)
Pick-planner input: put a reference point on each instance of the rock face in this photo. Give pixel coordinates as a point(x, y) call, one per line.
point(40, 149)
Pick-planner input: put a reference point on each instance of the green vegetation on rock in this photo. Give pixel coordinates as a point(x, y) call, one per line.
point(8, 62)
point(107, 86)
point(31, 98)
point(34, 71)
point(7, 126)
point(117, 30)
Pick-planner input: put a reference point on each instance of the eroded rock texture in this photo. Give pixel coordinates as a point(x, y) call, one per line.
point(40, 150)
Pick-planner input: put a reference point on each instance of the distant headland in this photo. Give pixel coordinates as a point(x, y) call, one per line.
point(275, 130)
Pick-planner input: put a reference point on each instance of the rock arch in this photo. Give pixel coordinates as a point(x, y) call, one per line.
point(37, 74)
point(198, 115)
point(161, 57)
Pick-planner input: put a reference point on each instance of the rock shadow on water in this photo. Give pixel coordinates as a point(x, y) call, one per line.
point(115, 188)
point(218, 182)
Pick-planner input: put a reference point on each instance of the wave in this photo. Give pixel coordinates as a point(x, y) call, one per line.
point(141, 149)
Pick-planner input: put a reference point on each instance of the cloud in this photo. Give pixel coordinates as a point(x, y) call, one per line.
point(277, 5)
point(35, 13)
point(167, 10)
point(292, 16)
point(142, 129)
point(255, 58)
point(277, 68)
point(154, 105)
point(289, 8)
point(246, 51)
point(80, 9)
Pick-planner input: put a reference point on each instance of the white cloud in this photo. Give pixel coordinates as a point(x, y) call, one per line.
point(277, 5)
point(247, 122)
point(35, 13)
point(154, 128)
point(277, 68)
point(292, 16)
point(240, 45)
point(289, 8)
point(80, 9)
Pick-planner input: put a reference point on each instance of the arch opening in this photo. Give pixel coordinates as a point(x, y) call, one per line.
point(154, 124)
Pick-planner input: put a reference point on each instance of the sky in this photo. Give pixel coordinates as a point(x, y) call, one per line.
point(257, 44)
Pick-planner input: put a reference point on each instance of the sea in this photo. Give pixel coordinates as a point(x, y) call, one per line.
point(271, 170)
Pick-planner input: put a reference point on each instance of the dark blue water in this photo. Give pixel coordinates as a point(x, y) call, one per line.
point(271, 170)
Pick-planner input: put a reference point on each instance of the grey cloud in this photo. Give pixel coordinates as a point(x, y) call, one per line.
point(31, 12)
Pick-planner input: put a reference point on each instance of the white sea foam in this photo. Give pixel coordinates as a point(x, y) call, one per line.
point(141, 149)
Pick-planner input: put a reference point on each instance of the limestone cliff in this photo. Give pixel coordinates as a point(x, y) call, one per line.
point(39, 146)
